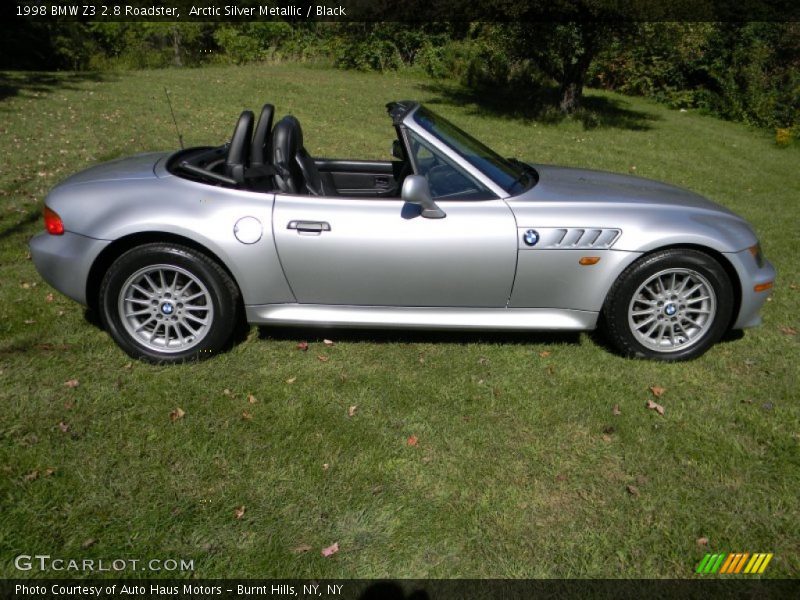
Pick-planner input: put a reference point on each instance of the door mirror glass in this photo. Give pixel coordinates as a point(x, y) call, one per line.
point(416, 191)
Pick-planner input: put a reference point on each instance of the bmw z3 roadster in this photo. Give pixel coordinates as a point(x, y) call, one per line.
point(173, 250)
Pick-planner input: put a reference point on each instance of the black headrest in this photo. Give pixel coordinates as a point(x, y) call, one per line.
point(287, 139)
point(262, 138)
point(239, 148)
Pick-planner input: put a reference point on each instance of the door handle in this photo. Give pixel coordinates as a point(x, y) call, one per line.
point(381, 181)
point(309, 226)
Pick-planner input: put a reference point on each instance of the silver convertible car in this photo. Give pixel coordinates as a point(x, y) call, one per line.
point(174, 250)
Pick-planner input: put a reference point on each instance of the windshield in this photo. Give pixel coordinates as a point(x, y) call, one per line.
point(512, 176)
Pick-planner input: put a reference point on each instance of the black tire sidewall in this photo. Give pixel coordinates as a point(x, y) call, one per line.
point(219, 285)
point(615, 313)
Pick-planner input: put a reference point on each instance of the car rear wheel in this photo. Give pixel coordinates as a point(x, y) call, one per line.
point(670, 305)
point(168, 303)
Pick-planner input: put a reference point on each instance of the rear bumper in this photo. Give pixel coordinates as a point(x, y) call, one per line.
point(64, 261)
point(751, 275)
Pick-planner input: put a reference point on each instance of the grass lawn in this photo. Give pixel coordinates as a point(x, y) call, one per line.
point(520, 469)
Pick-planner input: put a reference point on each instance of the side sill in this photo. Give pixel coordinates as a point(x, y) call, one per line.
point(530, 319)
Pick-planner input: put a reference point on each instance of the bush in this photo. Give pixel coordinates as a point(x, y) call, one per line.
point(251, 42)
point(740, 71)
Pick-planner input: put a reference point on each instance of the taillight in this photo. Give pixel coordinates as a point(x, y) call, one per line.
point(52, 222)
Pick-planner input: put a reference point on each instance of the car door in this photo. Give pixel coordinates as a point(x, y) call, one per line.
point(382, 252)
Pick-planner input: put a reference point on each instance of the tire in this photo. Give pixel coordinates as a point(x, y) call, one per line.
point(166, 303)
point(670, 305)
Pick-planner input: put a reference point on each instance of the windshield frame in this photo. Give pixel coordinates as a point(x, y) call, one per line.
point(510, 176)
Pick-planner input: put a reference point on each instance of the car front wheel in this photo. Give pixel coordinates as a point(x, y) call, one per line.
point(168, 303)
point(670, 305)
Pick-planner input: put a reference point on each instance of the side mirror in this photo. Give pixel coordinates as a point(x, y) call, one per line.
point(397, 150)
point(416, 191)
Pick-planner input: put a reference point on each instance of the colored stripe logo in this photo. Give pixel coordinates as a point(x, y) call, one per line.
point(734, 563)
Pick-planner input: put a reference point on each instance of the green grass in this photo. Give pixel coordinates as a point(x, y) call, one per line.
point(517, 471)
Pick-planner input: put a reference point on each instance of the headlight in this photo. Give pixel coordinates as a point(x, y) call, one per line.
point(756, 252)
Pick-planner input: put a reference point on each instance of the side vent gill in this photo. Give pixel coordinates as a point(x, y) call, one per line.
point(572, 238)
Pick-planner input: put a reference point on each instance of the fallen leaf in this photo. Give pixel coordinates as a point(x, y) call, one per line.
point(703, 541)
point(352, 410)
point(322, 358)
point(616, 411)
point(412, 440)
point(544, 354)
point(561, 477)
point(483, 360)
point(238, 512)
point(422, 360)
point(25, 285)
point(72, 383)
point(747, 401)
point(551, 369)
point(657, 391)
point(792, 286)
point(325, 466)
point(291, 380)
point(606, 438)
point(301, 549)
point(332, 549)
point(632, 490)
point(63, 427)
point(227, 392)
point(251, 399)
point(784, 330)
point(32, 476)
point(246, 415)
point(88, 543)
point(302, 346)
point(128, 366)
point(656, 407)
point(49, 472)
point(328, 342)
point(29, 321)
point(176, 414)
point(49, 297)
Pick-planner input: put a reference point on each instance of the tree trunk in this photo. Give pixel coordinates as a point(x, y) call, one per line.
point(176, 46)
point(571, 94)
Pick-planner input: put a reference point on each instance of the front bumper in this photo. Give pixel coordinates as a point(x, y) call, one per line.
point(64, 261)
point(751, 275)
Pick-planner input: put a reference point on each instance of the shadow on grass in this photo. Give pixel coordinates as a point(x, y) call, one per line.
point(395, 336)
point(29, 218)
point(540, 105)
point(598, 337)
point(13, 83)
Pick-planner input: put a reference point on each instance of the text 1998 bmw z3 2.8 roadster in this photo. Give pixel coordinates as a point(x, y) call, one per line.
point(174, 250)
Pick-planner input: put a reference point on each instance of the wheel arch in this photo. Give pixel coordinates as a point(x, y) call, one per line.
point(119, 246)
point(718, 256)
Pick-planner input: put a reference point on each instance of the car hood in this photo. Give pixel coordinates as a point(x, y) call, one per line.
point(139, 166)
point(578, 185)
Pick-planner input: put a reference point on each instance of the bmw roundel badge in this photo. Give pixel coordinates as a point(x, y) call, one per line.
point(530, 237)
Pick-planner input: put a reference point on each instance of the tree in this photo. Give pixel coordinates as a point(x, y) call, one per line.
point(562, 51)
